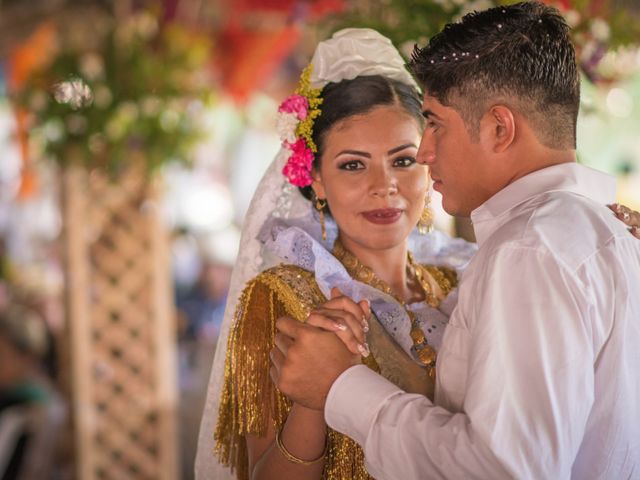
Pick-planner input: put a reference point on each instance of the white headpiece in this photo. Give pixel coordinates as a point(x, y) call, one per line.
point(349, 53)
point(356, 52)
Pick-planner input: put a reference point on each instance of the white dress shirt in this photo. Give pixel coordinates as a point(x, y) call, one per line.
point(539, 370)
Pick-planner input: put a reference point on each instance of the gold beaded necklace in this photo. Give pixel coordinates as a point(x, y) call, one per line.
point(426, 353)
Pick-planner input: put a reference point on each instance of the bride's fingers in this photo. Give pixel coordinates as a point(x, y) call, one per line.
point(340, 325)
point(365, 305)
point(354, 335)
point(356, 312)
point(344, 317)
point(634, 219)
point(360, 310)
point(328, 323)
point(630, 217)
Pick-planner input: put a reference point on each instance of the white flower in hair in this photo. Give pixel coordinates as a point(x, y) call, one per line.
point(286, 126)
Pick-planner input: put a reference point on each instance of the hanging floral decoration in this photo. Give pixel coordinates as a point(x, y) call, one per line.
point(118, 88)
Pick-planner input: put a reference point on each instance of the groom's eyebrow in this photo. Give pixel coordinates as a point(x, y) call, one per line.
point(428, 113)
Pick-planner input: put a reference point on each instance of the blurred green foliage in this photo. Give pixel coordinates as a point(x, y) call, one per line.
point(117, 87)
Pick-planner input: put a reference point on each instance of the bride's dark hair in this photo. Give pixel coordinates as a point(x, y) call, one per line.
point(356, 97)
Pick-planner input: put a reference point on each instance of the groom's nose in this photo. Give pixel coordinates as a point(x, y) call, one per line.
point(426, 151)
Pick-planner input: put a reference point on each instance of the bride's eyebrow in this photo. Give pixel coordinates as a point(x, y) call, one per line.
point(401, 147)
point(368, 155)
point(354, 152)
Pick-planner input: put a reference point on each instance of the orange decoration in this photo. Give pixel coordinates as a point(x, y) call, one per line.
point(24, 60)
point(252, 56)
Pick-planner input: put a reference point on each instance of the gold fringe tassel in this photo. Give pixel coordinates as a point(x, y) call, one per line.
point(249, 400)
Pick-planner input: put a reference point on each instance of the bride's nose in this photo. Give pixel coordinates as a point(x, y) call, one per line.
point(382, 182)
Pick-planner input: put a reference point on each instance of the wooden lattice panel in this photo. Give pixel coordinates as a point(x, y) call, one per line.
point(120, 326)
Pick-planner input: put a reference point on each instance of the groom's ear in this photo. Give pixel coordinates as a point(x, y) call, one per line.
point(317, 185)
point(498, 127)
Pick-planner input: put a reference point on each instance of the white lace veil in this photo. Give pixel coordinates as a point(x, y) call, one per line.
point(349, 53)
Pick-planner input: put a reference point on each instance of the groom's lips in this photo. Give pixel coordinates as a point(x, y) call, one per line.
point(437, 183)
point(383, 216)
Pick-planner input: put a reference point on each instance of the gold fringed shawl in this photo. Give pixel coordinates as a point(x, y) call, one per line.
point(248, 393)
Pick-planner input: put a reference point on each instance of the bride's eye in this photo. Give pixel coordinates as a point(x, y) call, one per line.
point(351, 165)
point(404, 161)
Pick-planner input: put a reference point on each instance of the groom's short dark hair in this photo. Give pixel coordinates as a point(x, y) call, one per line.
point(520, 55)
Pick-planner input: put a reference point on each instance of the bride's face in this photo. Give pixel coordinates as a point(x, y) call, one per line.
point(370, 179)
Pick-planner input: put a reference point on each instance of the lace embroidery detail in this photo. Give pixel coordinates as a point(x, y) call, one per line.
point(293, 245)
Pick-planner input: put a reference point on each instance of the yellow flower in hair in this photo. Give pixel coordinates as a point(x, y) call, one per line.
point(305, 127)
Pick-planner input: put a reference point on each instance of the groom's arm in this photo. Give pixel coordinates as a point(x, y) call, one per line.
point(404, 435)
point(528, 359)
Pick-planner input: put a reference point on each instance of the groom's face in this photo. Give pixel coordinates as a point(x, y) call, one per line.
point(456, 160)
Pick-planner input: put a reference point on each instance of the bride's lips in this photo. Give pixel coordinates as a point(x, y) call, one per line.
point(383, 216)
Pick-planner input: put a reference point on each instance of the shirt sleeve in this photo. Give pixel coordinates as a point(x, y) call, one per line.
point(525, 349)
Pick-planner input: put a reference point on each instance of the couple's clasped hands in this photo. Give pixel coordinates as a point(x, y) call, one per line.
point(308, 357)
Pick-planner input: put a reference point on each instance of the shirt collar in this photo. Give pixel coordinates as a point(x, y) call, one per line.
point(566, 177)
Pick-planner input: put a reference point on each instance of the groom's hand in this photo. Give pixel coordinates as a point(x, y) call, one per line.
point(306, 361)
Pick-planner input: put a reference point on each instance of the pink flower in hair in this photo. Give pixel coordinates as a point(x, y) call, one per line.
point(298, 167)
point(295, 104)
point(295, 127)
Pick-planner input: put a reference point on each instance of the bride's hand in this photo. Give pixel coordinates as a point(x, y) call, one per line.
point(630, 217)
point(346, 318)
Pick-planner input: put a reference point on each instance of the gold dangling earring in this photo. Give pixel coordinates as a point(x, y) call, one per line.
point(425, 224)
point(321, 203)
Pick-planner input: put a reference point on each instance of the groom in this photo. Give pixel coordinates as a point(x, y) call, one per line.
point(539, 371)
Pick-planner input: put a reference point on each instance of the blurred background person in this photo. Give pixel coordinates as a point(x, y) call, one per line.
point(31, 411)
point(201, 278)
